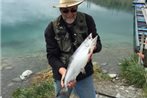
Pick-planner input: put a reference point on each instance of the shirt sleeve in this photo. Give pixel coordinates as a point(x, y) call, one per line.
point(52, 48)
point(92, 29)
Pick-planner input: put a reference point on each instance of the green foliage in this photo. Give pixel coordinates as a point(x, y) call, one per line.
point(42, 90)
point(99, 75)
point(145, 90)
point(134, 73)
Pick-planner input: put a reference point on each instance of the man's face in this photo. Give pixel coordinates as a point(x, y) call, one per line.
point(69, 14)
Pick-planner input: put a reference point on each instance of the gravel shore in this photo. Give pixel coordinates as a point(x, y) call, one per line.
point(12, 68)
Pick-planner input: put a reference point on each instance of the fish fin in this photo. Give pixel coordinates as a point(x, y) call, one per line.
point(83, 71)
point(89, 36)
point(63, 92)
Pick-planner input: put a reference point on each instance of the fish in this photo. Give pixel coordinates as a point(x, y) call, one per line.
point(78, 61)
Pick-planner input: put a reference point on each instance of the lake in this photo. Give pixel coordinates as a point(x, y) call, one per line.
point(24, 22)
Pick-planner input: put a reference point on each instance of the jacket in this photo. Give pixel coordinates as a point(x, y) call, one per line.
point(54, 52)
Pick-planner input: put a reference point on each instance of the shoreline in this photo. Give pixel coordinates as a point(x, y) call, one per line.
point(13, 67)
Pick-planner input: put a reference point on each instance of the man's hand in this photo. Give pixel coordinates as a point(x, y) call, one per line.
point(62, 71)
point(140, 55)
point(71, 84)
point(90, 54)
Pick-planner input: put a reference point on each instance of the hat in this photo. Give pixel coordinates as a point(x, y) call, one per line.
point(68, 3)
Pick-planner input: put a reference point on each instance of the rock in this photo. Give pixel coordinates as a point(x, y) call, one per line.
point(8, 67)
point(118, 95)
point(104, 71)
point(116, 86)
point(131, 88)
point(1, 67)
point(17, 79)
point(117, 78)
point(94, 63)
point(10, 84)
point(104, 64)
point(25, 74)
point(119, 63)
point(112, 75)
point(127, 91)
point(122, 88)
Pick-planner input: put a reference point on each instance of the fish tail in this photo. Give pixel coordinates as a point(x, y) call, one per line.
point(63, 92)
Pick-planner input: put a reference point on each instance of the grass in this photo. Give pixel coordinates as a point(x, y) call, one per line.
point(42, 90)
point(98, 73)
point(42, 87)
point(134, 73)
point(42, 83)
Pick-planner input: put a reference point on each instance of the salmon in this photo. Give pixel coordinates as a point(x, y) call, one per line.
point(78, 60)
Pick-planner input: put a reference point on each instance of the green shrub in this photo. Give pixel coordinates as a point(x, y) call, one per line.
point(145, 90)
point(134, 73)
point(98, 73)
point(42, 90)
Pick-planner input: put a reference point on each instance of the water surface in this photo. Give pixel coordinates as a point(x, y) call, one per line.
point(24, 22)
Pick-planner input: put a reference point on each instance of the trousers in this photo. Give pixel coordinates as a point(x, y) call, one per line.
point(83, 89)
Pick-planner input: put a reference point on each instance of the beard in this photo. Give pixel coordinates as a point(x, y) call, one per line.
point(69, 21)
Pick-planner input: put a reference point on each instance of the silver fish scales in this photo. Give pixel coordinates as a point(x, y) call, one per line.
point(79, 60)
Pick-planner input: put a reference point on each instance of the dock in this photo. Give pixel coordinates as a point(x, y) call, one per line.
point(140, 22)
point(140, 25)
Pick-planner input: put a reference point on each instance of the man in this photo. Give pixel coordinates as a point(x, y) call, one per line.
point(63, 36)
point(143, 55)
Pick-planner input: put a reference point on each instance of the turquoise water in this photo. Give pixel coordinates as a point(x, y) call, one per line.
point(24, 22)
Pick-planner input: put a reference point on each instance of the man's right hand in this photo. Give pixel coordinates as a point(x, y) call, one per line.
point(62, 71)
point(71, 84)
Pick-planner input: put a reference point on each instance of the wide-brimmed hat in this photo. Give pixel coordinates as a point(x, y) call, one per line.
point(68, 3)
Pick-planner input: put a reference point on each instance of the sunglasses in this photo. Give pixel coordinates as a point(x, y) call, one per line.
point(68, 10)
